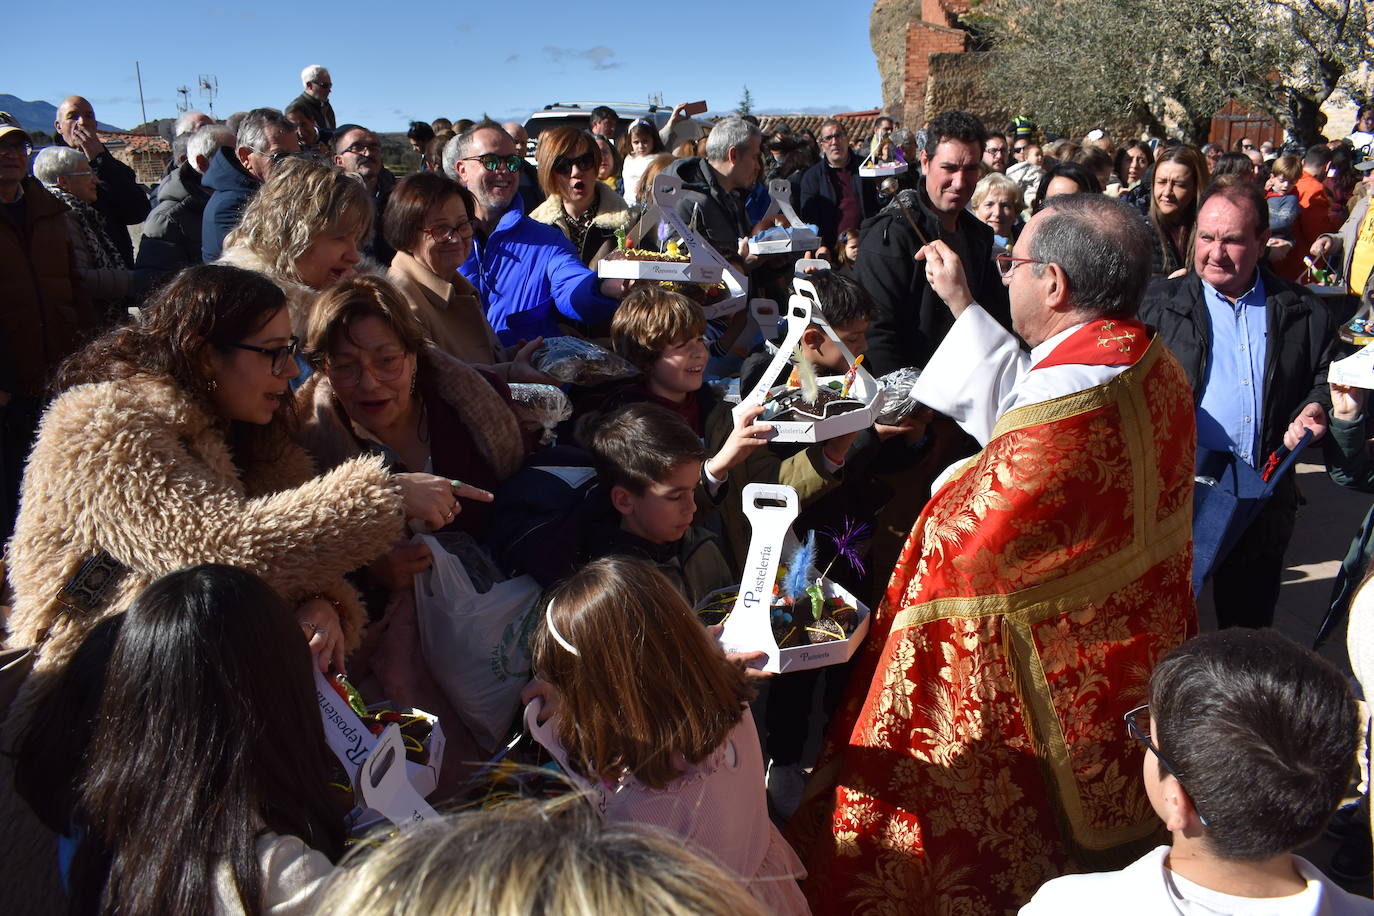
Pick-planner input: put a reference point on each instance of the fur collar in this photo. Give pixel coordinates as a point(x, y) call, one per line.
point(612, 211)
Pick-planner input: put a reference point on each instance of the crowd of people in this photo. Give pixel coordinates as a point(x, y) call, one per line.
point(231, 451)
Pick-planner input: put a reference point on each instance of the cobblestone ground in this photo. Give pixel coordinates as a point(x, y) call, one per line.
point(1326, 525)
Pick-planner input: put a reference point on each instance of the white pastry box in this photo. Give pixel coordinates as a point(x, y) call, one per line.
point(804, 310)
point(796, 236)
point(771, 509)
point(704, 263)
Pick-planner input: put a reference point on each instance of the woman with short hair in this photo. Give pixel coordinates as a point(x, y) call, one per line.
point(584, 209)
point(997, 203)
point(428, 221)
point(100, 265)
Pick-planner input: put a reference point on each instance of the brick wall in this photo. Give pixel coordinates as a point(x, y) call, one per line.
point(923, 42)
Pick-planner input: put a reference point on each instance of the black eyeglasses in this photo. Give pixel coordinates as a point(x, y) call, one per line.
point(281, 356)
point(323, 85)
point(370, 150)
point(830, 138)
point(1138, 727)
point(563, 165)
point(493, 163)
point(1018, 149)
point(17, 149)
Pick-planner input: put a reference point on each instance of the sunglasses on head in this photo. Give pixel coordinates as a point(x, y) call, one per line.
point(563, 165)
point(494, 163)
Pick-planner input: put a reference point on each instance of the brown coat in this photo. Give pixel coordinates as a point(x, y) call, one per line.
point(142, 471)
point(44, 312)
point(449, 310)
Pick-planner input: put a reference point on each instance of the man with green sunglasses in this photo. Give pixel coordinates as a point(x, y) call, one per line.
point(528, 274)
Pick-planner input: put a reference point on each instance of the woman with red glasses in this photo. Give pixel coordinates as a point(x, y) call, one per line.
point(584, 209)
point(428, 221)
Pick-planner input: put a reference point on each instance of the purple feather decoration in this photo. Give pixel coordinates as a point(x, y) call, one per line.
point(849, 542)
point(799, 568)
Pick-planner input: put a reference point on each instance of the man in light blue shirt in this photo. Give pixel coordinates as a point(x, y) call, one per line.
point(1255, 348)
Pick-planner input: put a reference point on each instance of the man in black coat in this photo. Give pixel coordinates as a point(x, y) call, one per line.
point(830, 193)
point(358, 151)
point(911, 318)
point(1256, 349)
point(121, 200)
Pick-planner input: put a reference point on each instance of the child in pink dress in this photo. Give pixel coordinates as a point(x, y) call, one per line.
point(650, 719)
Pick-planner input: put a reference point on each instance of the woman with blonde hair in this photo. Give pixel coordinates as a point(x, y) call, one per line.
point(587, 211)
point(304, 230)
point(1180, 173)
point(534, 858)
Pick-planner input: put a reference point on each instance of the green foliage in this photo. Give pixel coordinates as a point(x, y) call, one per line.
point(746, 103)
point(1083, 63)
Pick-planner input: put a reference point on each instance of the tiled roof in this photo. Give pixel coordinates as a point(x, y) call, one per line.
point(860, 123)
point(137, 142)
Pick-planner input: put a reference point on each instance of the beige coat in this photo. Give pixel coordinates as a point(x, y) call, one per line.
point(611, 214)
point(449, 310)
point(143, 471)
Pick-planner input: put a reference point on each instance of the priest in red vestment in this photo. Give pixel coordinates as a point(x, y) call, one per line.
point(981, 749)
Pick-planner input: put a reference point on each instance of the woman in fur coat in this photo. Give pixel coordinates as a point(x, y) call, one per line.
point(169, 445)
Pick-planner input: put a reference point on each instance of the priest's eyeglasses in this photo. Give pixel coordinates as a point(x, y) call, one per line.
point(1006, 263)
point(1138, 727)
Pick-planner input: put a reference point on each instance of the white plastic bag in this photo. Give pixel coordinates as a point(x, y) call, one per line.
point(477, 645)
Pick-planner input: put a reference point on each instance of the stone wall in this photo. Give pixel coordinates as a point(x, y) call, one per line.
point(905, 34)
point(962, 82)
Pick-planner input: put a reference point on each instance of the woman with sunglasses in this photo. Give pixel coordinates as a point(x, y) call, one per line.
point(169, 445)
point(428, 221)
point(586, 210)
point(303, 230)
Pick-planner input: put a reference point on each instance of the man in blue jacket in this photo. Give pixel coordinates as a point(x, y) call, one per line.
point(528, 274)
point(235, 174)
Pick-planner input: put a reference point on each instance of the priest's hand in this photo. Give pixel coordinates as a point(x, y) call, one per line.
point(1312, 417)
point(945, 274)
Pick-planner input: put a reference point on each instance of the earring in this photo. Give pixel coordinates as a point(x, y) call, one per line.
point(414, 377)
point(211, 384)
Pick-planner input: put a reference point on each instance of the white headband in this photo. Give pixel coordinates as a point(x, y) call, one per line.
point(557, 636)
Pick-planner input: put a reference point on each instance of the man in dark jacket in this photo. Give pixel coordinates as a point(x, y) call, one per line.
point(44, 314)
point(830, 193)
point(711, 202)
point(1255, 348)
point(359, 151)
point(172, 233)
point(121, 200)
point(236, 174)
point(911, 318)
point(315, 98)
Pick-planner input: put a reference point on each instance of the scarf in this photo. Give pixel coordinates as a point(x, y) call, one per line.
point(104, 254)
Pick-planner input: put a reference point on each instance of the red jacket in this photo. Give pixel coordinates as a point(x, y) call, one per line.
point(1314, 218)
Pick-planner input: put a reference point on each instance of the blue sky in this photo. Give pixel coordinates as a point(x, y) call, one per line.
point(391, 63)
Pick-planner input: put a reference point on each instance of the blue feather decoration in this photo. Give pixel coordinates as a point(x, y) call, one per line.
point(799, 569)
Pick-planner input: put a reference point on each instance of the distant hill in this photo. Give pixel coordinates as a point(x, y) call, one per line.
point(38, 115)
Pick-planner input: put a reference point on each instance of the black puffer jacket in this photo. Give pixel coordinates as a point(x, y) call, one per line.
point(707, 208)
point(171, 234)
point(1301, 335)
point(912, 319)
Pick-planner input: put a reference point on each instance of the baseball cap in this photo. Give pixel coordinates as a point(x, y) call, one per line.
point(9, 124)
point(1366, 165)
